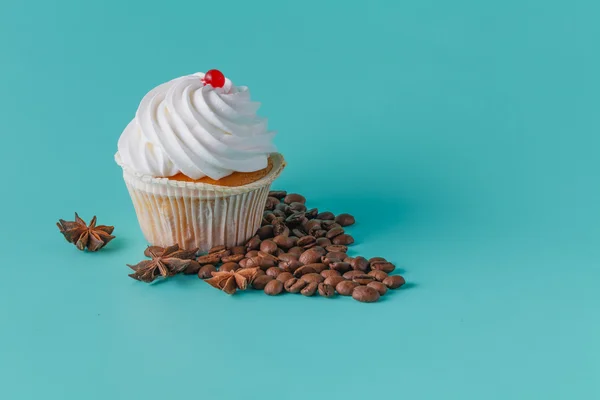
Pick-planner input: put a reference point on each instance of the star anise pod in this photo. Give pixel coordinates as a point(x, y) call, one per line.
point(229, 282)
point(82, 235)
point(165, 263)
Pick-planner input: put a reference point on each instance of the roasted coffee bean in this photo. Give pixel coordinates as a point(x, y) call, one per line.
point(360, 264)
point(232, 258)
point(192, 268)
point(288, 256)
point(345, 288)
point(306, 240)
point(320, 250)
point(365, 294)
point(329, 272)
point(243, 263)
point(394, 281)
point(209, 259)
point(272, 257)
point(266, 263)
point(252, 253)
point(294, 198)
point(326, 215)
point(253, 244)
point(269, 216)
point(363, 279)
point(323, 242)
point(312, 224)
point(279, 229)
point(319, 233)
point(377, 259)
point(295, 219)
point(334, 280)
point(380, 287)
point(312, 213)
point(312, 277)
point(296, 250)
point(310, 256)
point(273, 287)
point(338, 248)
point(217, 249)
point(341, 267)
point(268, 246)
point(285, 242)
point(278, 213)
point(205, 272)
point(298, 232)
point(328, 261)
point(265, 232)
point(328, 224)
point(348, 260)
point(303, 270)
point(261, 281)
point(386, 267)
point(278, 194)
point(278, 252)
point(238, 250)
point(284, 277)
point(326, 290)
point(252, 262)
point(294, 285)
point(290, 266)
point(332, 233)
point(345, 219)
point(264, 222)
point(230, 266)
point(274, 272)
point(336, 254)
point(298, 207)
point(344, 239)
point(310, 289)
point(281, 207)
point(351, 274)
point(379, 275)
point(318, 267)
point(271, 203)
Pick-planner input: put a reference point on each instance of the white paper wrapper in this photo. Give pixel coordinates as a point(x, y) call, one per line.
point(198, 214)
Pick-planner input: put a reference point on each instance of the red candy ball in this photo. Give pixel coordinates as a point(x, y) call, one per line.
point(215, 78)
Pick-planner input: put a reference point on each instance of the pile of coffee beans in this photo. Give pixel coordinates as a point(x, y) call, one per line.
point(301, 250)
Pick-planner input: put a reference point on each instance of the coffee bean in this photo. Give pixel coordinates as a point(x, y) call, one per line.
point(253, 244)
point(294, 198)
point(278, 213)
point(296, 250)
point(386, 267)
point(303, 270)
point(326, 290)
point(327, 215)
point(273, 287)
point(295, 219)
point(192, 268)
point(238, 250)
point(320, 250)
point(394, 281)
point(363, 279)
point(306, 240)
point(328, 224)
point(310, 289)
point(266, 263)
point(217, 249)
point(379, 275)
point(310, 256)
point(288, 257)
point(341, 267)
point(319, 233)
point(261, 281)
point(348, 260)
point(232, 258)
point(209, 259)
point(252, 253)
point(298, 232)
point(205, 272)
point(312, 213)
point(285, 242)
point(334, 280)
point(323, 242)
point(284, 277)
point(290, 266)
point(278, 252)
point(280, 229)
point(244, 262)
point(345, 219)
point(297, 207)
point(345, 288)
point(344, 239)
point(269, 217)
point(318, 267)
point(281, 207)
point(279, 194)
point(380, 287)
point(265, 232)
point(272, 257)
point(252, 262)
point(351, 274)
point(377, 259)
point(312, 224)
point(336, 254)
point(338, 248)
point(230, 266)
point(365, 294)
point(328, 261)
point(271, 203)
point(360, 264)
point(329, 272)
point(274, 272)
point(294, 285)
point(312, 277)
point(268, 246)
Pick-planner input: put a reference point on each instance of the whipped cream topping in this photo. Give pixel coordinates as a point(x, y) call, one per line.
point(184, 126)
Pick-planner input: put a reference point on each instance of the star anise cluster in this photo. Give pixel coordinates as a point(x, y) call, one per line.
point(231, 281)
point(164, 262)
point(84, 236)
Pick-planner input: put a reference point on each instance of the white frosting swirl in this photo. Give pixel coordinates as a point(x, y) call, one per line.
point(184, 126)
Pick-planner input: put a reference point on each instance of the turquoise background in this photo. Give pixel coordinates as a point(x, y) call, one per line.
point(463, 135)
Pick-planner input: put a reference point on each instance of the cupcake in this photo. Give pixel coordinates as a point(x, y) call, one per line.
point(198, 162)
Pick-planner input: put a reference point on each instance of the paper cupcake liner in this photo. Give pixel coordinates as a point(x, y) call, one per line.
point(198, 214)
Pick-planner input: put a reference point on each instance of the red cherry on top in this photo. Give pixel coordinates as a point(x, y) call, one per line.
point(215, 78)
